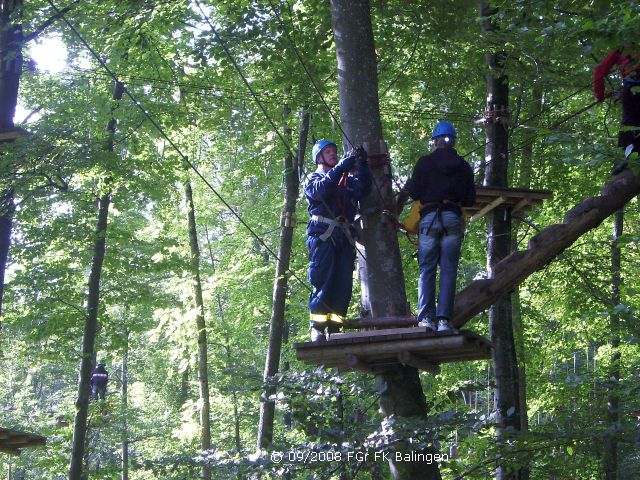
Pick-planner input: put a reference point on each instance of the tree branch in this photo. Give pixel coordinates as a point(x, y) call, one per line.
point(33, 35)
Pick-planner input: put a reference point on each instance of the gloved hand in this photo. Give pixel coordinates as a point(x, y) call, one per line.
point(360, 153)
point(346, 164)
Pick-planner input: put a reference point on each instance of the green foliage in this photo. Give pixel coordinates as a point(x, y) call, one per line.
point(431, 67)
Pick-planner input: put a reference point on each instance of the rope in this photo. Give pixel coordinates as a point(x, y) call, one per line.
point(184, 157)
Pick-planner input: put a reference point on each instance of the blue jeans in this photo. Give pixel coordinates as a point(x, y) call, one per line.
point(440, 243)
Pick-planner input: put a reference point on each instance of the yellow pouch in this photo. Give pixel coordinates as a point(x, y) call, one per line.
point(412, 223)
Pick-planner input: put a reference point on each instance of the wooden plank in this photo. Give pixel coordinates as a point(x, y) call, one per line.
point(498, 201)
point(521, 204)
point(12, 134)
point(365, 349)
point(403, 321)
point(8, 450)
point(408, 358)
point(16, 440)
point(356, 363)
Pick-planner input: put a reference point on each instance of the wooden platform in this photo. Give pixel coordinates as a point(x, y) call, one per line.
point(12, 441)
point(372, 351)
point(519, 199)
point(11, 134)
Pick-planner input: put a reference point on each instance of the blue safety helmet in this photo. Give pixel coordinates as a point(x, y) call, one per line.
point(319, 146)
point(444, 129)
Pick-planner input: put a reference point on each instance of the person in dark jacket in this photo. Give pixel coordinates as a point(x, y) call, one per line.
point(627, 59)
point(443, 182)
point(332, 192)
point(99, 379)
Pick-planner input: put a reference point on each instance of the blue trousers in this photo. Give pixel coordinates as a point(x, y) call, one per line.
point(330, 275)
point(440, 243)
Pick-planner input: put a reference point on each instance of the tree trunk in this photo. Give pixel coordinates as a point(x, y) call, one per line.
point(613, 400)
point(505, 361)
point(203, 370)
point(276, 322)
point(7, 209)
point(383, 293)
point(125, 405)
point(91, 321)
point(10, 72)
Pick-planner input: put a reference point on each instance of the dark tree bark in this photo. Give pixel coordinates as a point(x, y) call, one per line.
point(613, 395)
point(203, 358)
point(91, 320)
point(380, 271)
point(505, 361)
point(10, 72)
point(276, 322)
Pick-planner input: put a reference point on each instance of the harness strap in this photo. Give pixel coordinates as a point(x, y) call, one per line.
point(339, 222)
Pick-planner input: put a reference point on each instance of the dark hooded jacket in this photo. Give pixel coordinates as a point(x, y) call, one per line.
point(99, 376)
point(442, 179)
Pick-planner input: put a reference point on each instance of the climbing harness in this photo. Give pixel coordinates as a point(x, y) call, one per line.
point(339, 222)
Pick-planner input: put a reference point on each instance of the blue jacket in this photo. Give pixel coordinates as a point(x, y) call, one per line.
point(327, 199)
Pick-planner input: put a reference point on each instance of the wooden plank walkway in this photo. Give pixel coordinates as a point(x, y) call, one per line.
point(11, 441)
point(374, 350)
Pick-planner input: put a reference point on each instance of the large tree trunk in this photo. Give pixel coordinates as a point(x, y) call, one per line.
point(505, 362)
point(203, 370)
point(380, 270)
point(613, 400)
point(276, 322)
point(91, 321)
point(10, 72)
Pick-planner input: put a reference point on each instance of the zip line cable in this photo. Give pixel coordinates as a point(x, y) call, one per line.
point(267, 97)
point(543, 111)
point(264, 111)
point(182, 155)
point(172, 143)
point(308, 73)
point(317, 89)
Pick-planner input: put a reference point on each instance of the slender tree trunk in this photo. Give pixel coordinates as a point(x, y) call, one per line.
point(227, 345)
point(380, 272)
point(10, 72)
point(613, 400)
point(276, 323)
point(91, 320)
point(125, 407)
point(203, 370)
point(505, 361)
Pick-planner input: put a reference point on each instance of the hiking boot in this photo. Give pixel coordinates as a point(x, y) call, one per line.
point(429, 324)
point(317, 335)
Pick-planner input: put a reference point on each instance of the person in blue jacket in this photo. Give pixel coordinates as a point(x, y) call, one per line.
point(332, 192)
point(443, 182)
point(99, 379)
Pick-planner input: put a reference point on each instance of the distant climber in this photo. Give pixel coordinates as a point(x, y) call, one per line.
point(443, 182)
point(627, 59)
point(332, 192)
point(99, 379)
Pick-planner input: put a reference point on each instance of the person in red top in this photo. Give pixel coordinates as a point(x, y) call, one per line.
point(627, 59)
